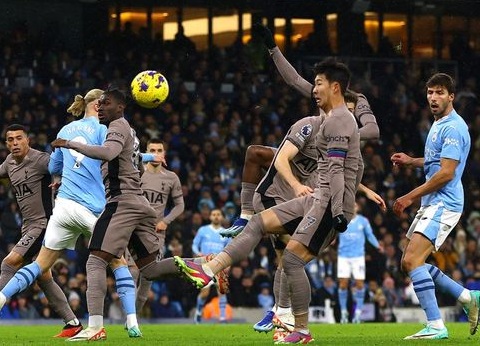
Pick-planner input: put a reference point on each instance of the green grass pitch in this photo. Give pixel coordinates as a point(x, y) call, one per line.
point(371, 334)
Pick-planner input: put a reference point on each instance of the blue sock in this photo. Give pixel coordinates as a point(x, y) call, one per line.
point(23, 278)
point(200, 303)
point(425, 291)
point(342, 298)
point(125, 289)
point(360, 298)
point(222, 299)
point(445, 283)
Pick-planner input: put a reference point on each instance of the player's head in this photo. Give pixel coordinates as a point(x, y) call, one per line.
point(331, 78)
point(111, 105)
point(155, 146)
point(440, 94)
point(16, 138)
point(351, 100)
point(216, 217)
point(87, 104)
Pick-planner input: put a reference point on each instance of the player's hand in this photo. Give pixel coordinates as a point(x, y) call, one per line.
point(340, 223)
point(59, 143)
point(302, 190)
point(265, 34)
point(401, 204)
point(381, 249)
point(375, 197)
point(401, 159)
point(160, 158)
point(161, 227)
point(55, 185)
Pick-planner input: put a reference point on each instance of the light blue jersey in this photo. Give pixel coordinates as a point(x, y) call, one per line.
point(351, 243)
point(81, 176)
point(448, 138)
point(208, 240)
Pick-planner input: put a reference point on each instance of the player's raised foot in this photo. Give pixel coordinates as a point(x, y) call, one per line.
point(472, 310)
point(296, 338)
point(265, 324)
point(134, 332)
point(279, 334)
point(284, 321)
point(235, 229)
point(221, 278)
point(429, 333)
point(90, 334)
point(69, 330)
point(192, 272)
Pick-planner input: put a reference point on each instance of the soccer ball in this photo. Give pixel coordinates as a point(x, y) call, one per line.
point(149, 89)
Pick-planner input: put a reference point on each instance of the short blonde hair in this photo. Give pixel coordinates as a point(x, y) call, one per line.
point(80, 103)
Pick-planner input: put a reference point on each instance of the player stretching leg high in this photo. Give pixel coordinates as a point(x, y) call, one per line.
point(322, 214)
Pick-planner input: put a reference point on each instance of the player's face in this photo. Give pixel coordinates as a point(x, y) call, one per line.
point(439, 100)
point(216, 217)
point(109, 109)
point(17, 143)
point(156, 149)
point(321, 92)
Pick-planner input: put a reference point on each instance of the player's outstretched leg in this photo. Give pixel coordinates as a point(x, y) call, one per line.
point(221, 279)
point(192, 272)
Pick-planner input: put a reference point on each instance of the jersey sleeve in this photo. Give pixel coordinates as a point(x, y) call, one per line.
point(452, 144)
point(55, 165)
point(117, 134)
point(364, 115)
point(289, 74)
point(300, 132)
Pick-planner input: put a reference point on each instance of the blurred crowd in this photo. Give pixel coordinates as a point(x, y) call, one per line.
point(220, 102)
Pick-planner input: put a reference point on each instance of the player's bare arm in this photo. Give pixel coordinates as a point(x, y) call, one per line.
point(373, 196)
point(402, 159)
point(282, 164)
point(436, 182)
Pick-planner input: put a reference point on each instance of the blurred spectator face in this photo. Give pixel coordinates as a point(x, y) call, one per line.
point(216, 217)
point(236, 272)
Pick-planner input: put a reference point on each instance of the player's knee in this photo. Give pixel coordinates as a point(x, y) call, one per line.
point(252, 154)
point(407, 264)
point(292, 262)
point(13, 260)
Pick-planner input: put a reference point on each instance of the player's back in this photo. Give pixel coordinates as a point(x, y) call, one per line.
point(121, 174)
point(30, 181)
point(81, 175)
point(303, 165)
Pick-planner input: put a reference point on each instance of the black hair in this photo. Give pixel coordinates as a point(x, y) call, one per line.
point(117, 94)
point(334, 71)
point(16, 127)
